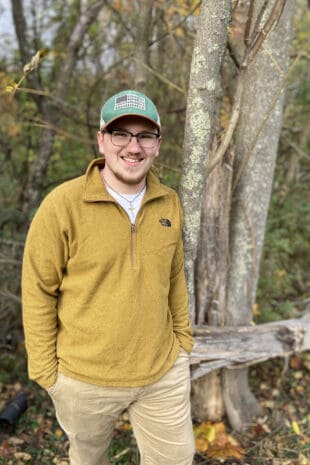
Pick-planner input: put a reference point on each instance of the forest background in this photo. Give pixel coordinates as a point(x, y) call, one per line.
point(105, 63)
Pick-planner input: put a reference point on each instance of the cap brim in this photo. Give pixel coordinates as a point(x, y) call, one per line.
point(129, 114)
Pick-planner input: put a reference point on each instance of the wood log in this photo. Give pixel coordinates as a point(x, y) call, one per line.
point(240, 346)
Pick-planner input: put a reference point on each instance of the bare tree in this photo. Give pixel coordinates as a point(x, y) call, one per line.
point(237, 191)
point(47, 109)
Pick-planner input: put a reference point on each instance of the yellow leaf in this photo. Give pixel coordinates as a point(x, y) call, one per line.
point(124, 426)
point(204, 434)
point(10, 88)
point(179, 32)
point(195, 4)
point(295, 427)
point(206, 430)
point(58, 433)
point(256, 311)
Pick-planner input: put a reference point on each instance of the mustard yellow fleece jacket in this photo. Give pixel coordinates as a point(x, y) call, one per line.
point(104, 301)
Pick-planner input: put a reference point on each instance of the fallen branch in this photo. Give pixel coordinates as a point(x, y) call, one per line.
point(236, 347)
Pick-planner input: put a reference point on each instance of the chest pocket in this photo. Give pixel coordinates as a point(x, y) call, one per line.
point(161, 237)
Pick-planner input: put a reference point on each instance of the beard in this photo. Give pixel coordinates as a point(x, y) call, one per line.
point(128, 180)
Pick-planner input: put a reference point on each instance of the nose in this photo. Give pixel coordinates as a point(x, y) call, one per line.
point(134, 146)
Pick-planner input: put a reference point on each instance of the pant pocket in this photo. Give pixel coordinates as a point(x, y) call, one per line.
point(52, 389)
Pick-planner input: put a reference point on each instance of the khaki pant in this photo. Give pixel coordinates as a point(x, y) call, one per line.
point(159, 414)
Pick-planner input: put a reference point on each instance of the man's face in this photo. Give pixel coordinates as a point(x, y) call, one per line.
point(127, 166)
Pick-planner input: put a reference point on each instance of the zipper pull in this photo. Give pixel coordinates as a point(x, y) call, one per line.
point(133, 228)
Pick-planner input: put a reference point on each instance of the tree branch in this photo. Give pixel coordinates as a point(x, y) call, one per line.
point(258, 39)
point(20, 29)
point(74, 45)
point(255, 44)
point(143, 30)
point(123, 23)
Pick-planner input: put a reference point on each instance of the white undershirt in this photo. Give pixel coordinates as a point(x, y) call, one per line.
point(136, 204)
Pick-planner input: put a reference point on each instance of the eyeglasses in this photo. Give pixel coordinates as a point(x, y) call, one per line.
point(121, 138)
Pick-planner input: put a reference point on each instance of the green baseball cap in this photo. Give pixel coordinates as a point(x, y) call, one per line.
point(128, 102)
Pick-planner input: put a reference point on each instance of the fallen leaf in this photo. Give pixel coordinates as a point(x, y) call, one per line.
point(212, 439)
point(14, 441)
point(201, 444)
point(5, 450)
point(302, 460)
point(23, 456)
point(228, 451)
point(207, 430)
point(258, 430)
point(268, 403)
point(295, 362)
point(295, 427)
point(58, 433)
point(300, 388)
point(204, 434)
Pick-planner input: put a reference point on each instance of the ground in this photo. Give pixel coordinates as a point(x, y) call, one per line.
point(282, 437)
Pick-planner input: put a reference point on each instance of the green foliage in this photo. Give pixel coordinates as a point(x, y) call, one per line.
point(284, 275)
point(284, 283)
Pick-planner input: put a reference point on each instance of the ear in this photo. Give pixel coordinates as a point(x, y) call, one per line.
point(100, 141)
point(158, 146)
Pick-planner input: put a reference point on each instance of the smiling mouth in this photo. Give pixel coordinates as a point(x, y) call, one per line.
point(132, 161)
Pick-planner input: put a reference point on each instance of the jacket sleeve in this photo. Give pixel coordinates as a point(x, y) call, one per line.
point(178, 297)
point(44, 262)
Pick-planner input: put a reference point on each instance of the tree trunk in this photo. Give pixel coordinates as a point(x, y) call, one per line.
point(142, 40)
point(206, 62)
point(211, 278)
point(207, 58)
point(257, 137)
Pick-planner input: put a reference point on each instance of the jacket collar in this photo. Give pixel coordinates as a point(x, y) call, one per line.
point(95, 191)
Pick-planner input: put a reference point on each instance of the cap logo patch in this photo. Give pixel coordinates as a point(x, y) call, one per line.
point(129, 101)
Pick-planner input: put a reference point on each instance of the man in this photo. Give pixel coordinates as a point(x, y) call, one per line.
point(104, 297)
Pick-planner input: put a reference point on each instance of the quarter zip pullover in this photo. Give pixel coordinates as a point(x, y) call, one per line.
point(104, 301)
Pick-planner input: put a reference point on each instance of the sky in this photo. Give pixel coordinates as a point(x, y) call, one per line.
point(7, 33)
